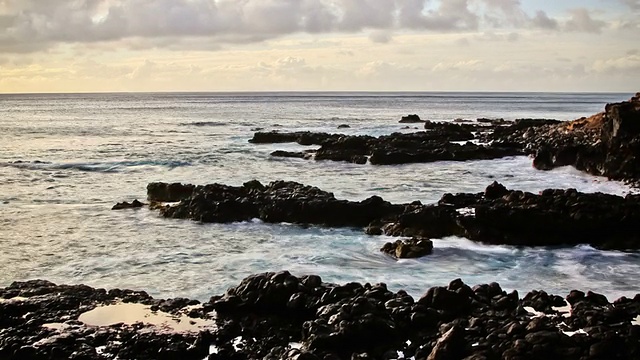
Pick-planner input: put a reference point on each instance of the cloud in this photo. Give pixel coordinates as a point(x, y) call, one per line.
point(542, 21)
point(633, 4)
point(581, 20)
point(31, 25)
point(380, 37)
point(628, 65)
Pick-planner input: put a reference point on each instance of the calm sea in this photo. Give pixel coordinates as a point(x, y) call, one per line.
point(81, 153)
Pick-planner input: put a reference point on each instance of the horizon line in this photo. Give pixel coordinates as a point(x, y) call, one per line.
point(231, 92)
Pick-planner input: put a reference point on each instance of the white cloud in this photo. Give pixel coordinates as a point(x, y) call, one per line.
point(380, 37)
point(628, 65)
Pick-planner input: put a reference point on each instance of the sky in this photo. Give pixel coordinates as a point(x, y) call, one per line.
point(319, 45)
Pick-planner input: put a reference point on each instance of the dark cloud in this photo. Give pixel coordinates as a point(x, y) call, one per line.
point(581, 20)
point(542, 21)
point(633, 4)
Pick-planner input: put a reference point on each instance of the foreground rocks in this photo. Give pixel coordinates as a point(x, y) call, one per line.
point(281, 316)
point(496, 216)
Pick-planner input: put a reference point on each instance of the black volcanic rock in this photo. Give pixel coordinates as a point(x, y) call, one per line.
point(262, 316)
point(411, 119)
point(135, 204)
point(412, 248)
point(433, 144)
point(163, 192)
point(497, 216)
point(607, 143)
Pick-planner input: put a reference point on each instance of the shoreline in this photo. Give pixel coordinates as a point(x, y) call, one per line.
point(281, 316)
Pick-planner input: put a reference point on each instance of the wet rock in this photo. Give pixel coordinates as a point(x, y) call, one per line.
point(451, 345)
point(409, 119)
point(433, 144)
point(282, 316)
point(163, 192)
point(413, 248)
point(125, 205)
point(495, 191)
point(343, 126)
point(605, 144)
point(497, 216)
point(300, 137)
point(289, 154)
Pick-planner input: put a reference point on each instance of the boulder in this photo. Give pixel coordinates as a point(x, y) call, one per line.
point(125, 205)
point(411, 119)
point(413, 248)
point(163, 192)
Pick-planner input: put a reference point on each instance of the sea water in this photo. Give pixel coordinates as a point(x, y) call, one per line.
point(66, 159)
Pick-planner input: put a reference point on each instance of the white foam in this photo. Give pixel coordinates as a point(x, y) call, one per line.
point(571, 333)
point(636, 321)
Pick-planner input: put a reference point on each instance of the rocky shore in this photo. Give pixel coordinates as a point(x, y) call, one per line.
point(554, 217)
point(281, 316)
point(605, 144)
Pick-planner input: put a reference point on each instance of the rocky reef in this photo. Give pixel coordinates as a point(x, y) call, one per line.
point(282, 316)
point(607, 143)
point(497, 216)
point(439, 142)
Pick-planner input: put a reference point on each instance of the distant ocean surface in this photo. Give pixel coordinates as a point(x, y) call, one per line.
point(66, 159)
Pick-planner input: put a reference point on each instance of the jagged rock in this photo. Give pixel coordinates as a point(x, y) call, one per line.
point(606, 144)
point(125, 205)
point(264, 315)
point(289, 154)
point(434, 144)
point(163, 192)
point(413, 248)
point(411, 119)
point(497, 216)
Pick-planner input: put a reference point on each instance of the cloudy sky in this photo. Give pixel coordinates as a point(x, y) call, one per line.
point(236, 45)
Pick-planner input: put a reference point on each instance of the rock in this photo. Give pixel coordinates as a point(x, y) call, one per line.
point(543, 159)
point(343, 126)
point(434, 144)
point(278, 315)
point(300, 137)
point(125, 205)
point(289, 154)
point(163, 192)
point(451, 345)
point(413, 248)
point(497, 216)
point(605, 144)
point(410, 119)
point(495, 191)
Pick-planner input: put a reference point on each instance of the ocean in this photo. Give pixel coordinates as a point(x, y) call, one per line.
point(65, 159)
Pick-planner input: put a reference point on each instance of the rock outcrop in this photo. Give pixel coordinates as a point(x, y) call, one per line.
point(437, 143)
point(496, 216)
point(411, 119)
point(282, 316)
point(606, 144)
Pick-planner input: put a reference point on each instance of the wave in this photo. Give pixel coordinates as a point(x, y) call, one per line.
point(104, 167)
point(205, 123)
